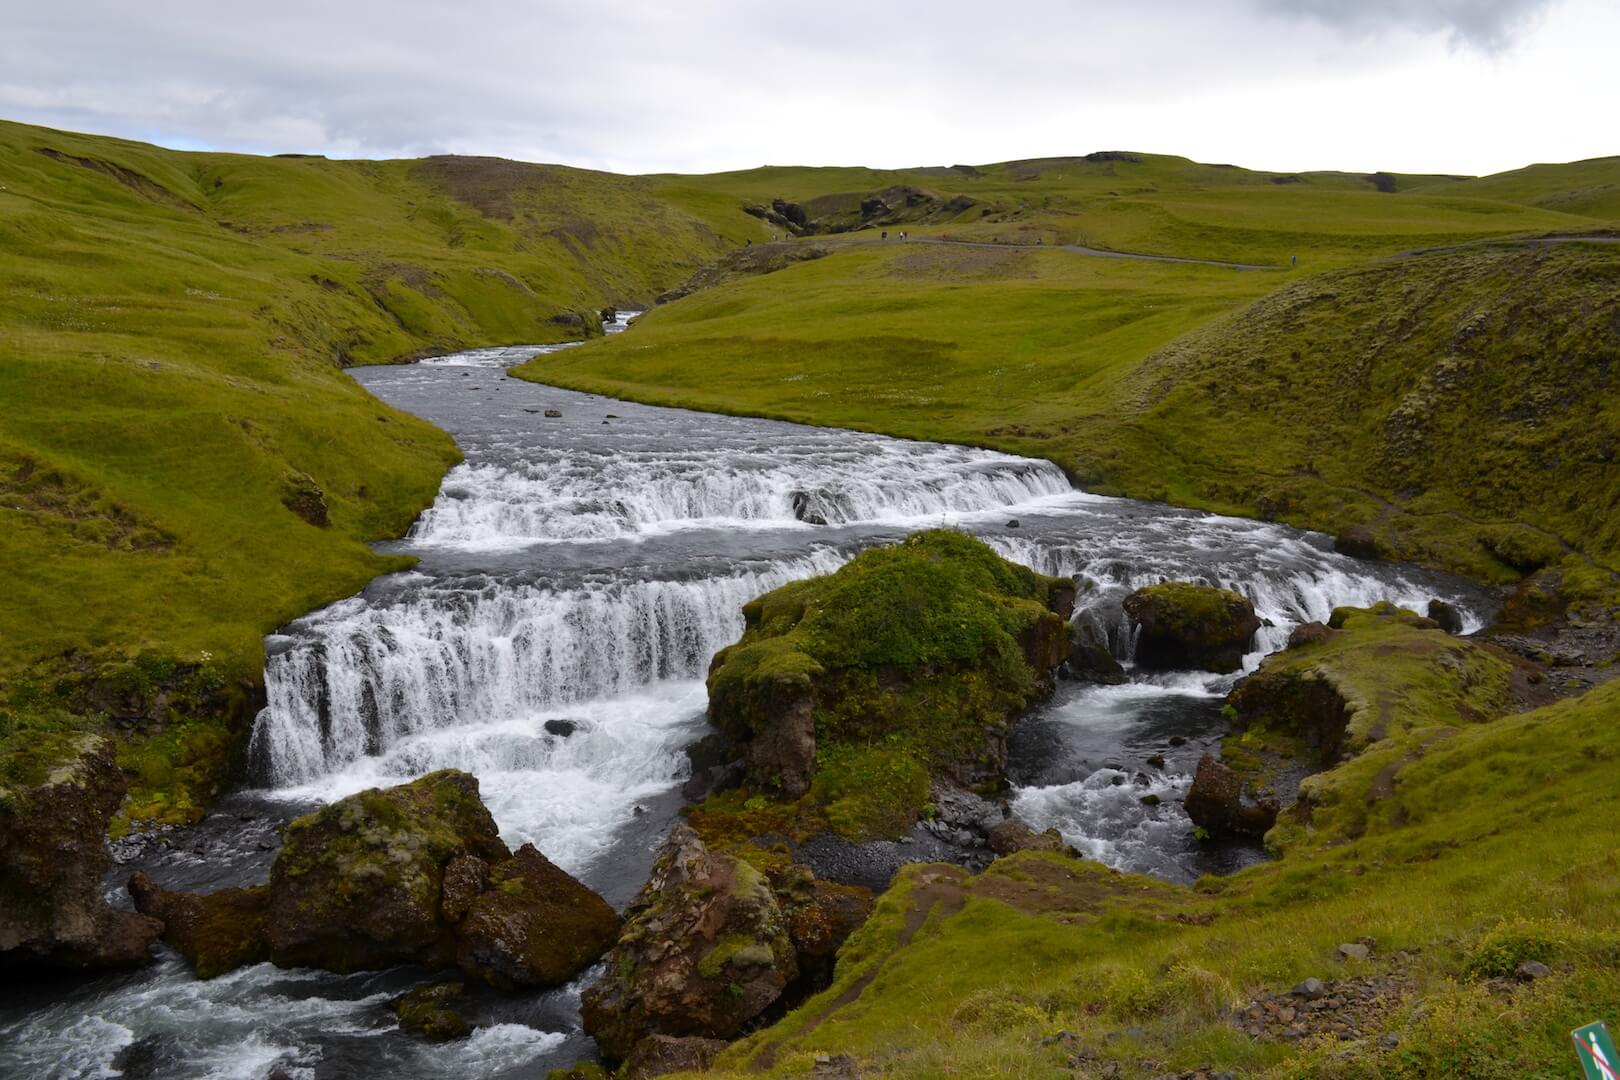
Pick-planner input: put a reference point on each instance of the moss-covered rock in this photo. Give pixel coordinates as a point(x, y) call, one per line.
point(705, 949)
point(358, 884)
point(53, 825)
point(1368, 695)
point(217, 932)
point(427, 1011)
point(534, 925)
point(1183, 625)
point(929, 648)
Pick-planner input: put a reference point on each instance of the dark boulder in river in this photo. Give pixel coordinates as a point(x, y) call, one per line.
point(534, 925)
point(1217, 802)
point(53, 824)
point(358, 883)
point(1186, 626)
point(217, 932)
point(410, 874)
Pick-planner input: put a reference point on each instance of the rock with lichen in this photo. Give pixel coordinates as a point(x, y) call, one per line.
point(706, 948)
point(53, 854)
point(358, 883)
point(534, 925)
point(427, 1011)
point(1187, 626)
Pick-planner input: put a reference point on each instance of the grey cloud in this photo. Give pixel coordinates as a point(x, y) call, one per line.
point(1488, 25)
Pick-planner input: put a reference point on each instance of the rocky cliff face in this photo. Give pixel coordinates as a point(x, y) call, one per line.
point(53, 856)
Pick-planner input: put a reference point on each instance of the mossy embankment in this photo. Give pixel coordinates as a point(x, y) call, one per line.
point(1481, 848)
point(849, 694)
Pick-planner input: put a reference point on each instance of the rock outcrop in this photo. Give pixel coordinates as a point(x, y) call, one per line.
point(936, 642)
point(53, 855)
point(1217, 802)
point(358, 884)
point(1186, 626)
point(710, 944)
point(410, 874)
point(1090, 658)
point(427, 1011)
point(534, 925)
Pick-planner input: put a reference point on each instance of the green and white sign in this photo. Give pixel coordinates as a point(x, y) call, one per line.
point(1596, 1051)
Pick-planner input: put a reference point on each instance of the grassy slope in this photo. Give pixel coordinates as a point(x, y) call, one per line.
point(1491, 846)
point(1461, 402)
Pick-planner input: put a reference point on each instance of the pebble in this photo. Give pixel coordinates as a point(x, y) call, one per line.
point(1354, 950)
point(1310, 989)
point(1531, 970)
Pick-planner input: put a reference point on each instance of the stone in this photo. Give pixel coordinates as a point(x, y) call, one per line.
point(1156, 761)
point(1354, 950)
point(1310, 989)
point(1311, 633)
point(553, 414)
point(53, 856)
point(1090, 658)
point(426, 1011)
point(660, 1055)
point(217, 932)
point(561, 728)
point(534, 925)
point(706, 948)
point(464, 879)
point(1216, 802)
point(1185, 626)
point(358, 884)
point(1358, 542)
point(1447, 616)
point(1012, 836)
point(1531, 970)
point(1013, 524)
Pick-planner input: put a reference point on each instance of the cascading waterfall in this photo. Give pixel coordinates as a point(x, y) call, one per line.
point(359, 678)
point(567, 494)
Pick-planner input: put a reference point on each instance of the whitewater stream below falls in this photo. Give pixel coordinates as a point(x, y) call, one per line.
point(584, 568)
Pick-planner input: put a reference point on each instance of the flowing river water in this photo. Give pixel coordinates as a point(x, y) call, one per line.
point(576, 574)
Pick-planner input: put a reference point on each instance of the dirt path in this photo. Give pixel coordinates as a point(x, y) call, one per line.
point(942, 892)
point(1078, 249)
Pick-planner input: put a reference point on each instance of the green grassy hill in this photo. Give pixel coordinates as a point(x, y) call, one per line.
point(1460, 403)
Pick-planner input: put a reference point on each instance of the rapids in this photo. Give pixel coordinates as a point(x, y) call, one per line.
point(575, 575)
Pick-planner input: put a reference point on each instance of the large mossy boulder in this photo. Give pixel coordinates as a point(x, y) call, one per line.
point(1185, 626)
point(533, 925)
point(414, 874)
point(706, 948)
point(931, 646)
point(358, 884)
point(56, 799)
point(216, 932)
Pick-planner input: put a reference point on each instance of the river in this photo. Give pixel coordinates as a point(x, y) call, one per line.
point(575, 575)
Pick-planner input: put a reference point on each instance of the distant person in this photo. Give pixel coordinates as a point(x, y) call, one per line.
point(884, 234)
point(1293, 260)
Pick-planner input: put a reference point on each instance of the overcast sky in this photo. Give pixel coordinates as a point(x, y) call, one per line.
point(1467, 86)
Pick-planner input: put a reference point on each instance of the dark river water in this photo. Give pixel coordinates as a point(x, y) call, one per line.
point(585, 567)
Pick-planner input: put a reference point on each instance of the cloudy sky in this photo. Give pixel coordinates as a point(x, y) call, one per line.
point(1467, 86)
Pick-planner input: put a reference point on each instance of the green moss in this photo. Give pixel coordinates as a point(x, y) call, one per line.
point(870, 792)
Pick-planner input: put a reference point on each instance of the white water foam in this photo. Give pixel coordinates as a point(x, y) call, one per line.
point(573, 494)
